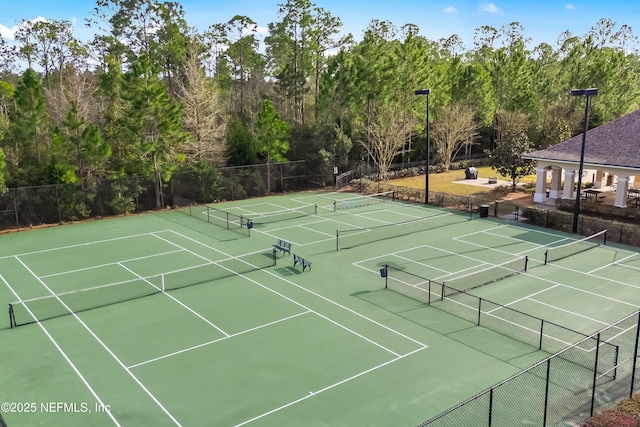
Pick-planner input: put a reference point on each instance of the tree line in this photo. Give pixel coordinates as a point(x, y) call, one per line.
point(149, 95)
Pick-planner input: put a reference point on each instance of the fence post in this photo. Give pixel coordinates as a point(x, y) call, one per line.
point(635, 357)
point(546, 394)
point(595, 376)
point(490, 406)
point(15, 208)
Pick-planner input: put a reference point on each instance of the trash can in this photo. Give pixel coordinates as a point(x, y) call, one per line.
point(484, 211)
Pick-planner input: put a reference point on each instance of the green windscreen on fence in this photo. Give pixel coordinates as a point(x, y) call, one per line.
point(58, 305)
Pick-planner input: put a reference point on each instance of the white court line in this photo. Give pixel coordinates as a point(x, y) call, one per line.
point(64, 355)
point(308, 291)
point(102, 344)
point(421, 263)
point(108, 264)
point(79, 244)
point(283, 296)
point(485, 247)
point(525, 297)
point(562, 267)
point(316, 231)
point(569, 312)
point(201, 317)
point(612, 263)
point(307, 396)
point(481, 231)
point(155, 359)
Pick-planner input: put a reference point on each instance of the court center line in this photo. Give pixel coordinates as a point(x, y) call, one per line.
point(525, 297)
point(292, 300)
point(107, 264)
point(175, 353)
point(611, 263)
point(201, 317)
point(64, 355)
point(568, 311)
point(305, 397)
point(75, 315)
point(306, 290)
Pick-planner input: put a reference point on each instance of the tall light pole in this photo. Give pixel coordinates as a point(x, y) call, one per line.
point(586, 93)
point(428, 147)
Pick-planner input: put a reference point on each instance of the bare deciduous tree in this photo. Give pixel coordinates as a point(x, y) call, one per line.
point(202, 116)
point(387, 129)
point(453, 129)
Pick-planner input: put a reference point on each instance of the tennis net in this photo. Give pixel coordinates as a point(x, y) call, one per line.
point(359, 236)
point(486, 276)
point(534, 331)
point(285, 214)
point(576, 247)
point(57, 305)
point(358, 201)
point(212, 215)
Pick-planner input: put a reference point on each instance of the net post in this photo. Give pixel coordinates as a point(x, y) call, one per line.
point(526, 262)
point(208, 215)
point(479, 310)
point(241, 221)
point(337, 240)
point(335, 205)
point(227, 215)
point(12, 319)
point(605, 237)
point(386, 276)
point(546, 253)
point(190, 213)
point(274, 257)
point(315, 209)
point(162, 279)
point(429, 294)
point(442, 292)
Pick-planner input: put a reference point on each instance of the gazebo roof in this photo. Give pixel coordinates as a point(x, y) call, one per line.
point(616, 143)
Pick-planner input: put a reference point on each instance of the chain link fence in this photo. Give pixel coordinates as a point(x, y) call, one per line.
point(27, 207)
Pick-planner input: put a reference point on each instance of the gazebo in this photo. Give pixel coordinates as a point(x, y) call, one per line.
point(612, 153)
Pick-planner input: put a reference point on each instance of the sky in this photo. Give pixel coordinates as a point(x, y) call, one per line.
point(543, 20)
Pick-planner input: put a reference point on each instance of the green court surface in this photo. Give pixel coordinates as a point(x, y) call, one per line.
point(180, 317)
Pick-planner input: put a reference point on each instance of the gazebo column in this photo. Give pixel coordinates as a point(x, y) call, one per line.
point(556, 183)
point(541, 185)
point(622, 186)
point(599, 179)
point(567, 191)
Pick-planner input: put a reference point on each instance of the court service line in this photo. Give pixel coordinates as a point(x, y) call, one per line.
point(80, 244)
point(306, 290)
point(423, 264)
point(108, 264)
point(64, 355)
point(525, 297)
point(175, 353)
point(480, 232)
point(288, 298)
point(563, 267)
point(570, 312)
point(612, 263)
point(165, 410)
point(201, 317)
point(312, 394)
point(483, 246)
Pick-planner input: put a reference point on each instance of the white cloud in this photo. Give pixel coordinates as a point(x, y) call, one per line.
point(491, 8)
point(261, 30)
point(10, 33)
point(450, 9)
point(569, 6)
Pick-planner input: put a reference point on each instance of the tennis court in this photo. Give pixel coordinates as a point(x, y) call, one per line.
point(190, 317)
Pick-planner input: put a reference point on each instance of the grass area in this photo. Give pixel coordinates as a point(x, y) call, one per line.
point(444, 182)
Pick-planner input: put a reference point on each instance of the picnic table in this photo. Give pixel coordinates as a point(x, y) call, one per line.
point(593, 195)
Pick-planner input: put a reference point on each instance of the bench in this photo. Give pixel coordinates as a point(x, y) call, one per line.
point(304, 262)
point(283, 246)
